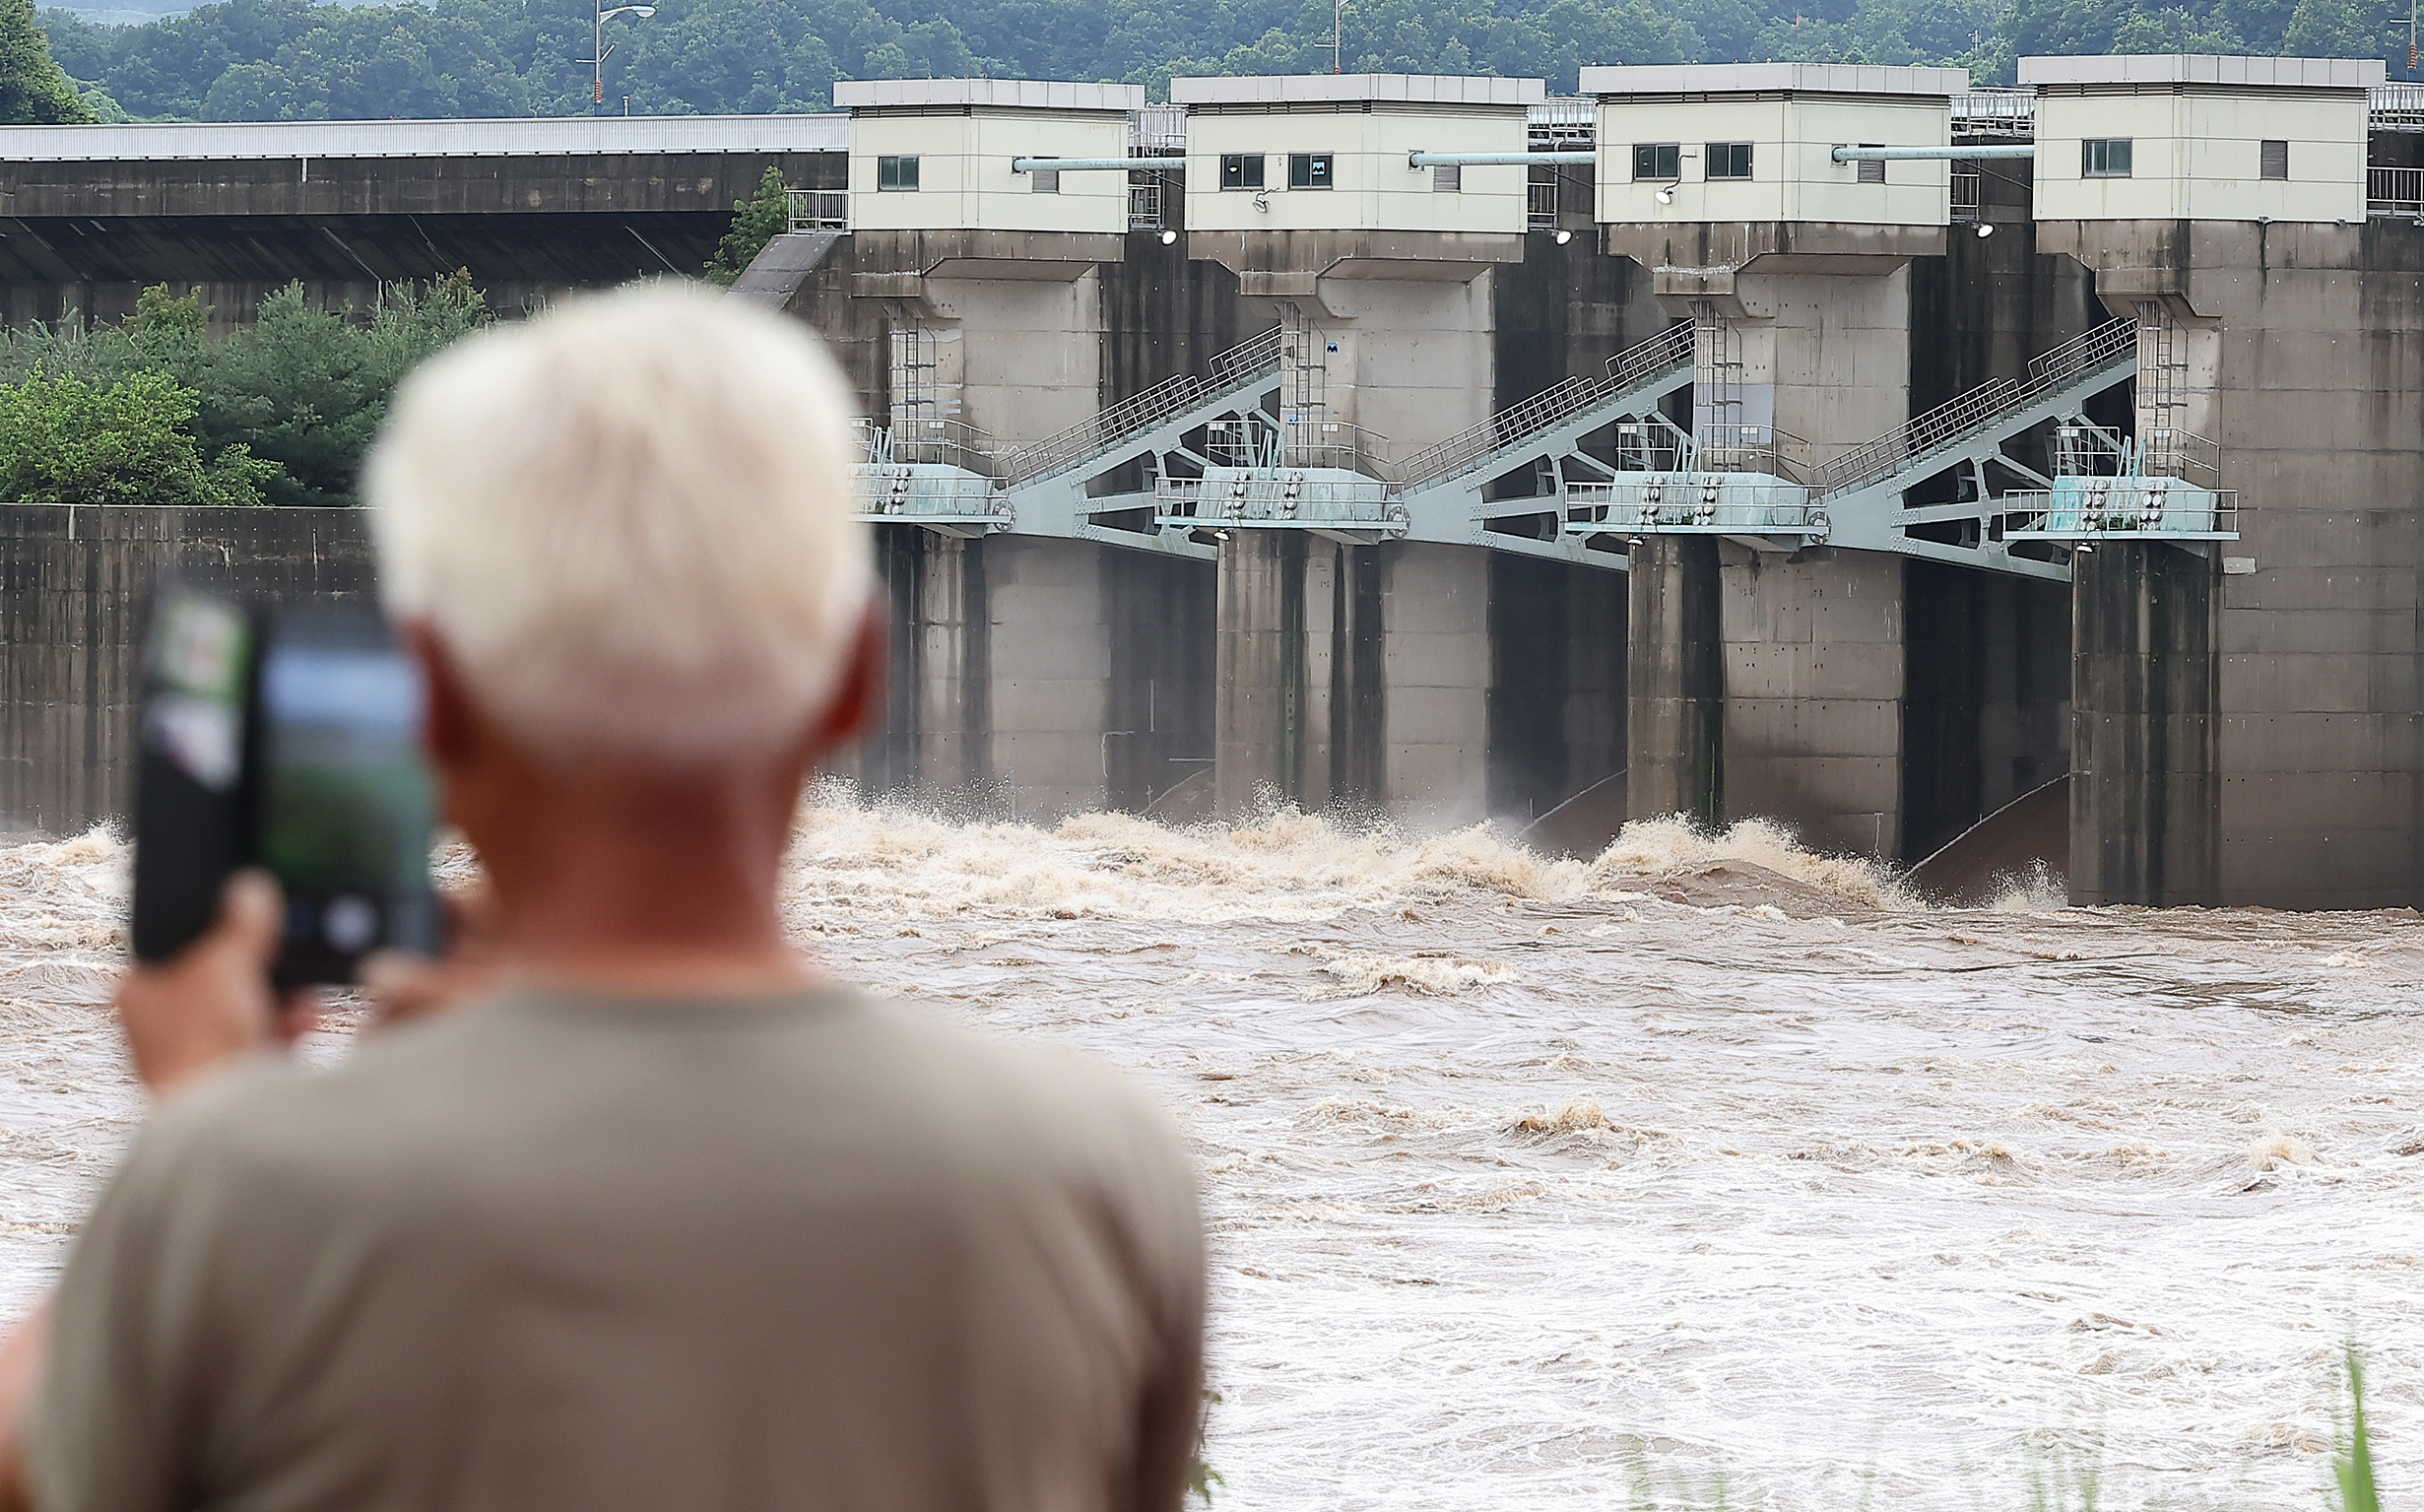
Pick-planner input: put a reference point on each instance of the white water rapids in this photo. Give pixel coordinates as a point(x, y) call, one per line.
point(1709, 1171)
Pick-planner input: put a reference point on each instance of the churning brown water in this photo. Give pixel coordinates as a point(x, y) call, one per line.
point(1712, 1161)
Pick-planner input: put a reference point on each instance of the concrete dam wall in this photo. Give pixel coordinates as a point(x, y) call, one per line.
point(75, 587)
point(1355, 443)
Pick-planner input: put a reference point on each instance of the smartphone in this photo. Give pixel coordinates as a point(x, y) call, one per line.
point(289, 738)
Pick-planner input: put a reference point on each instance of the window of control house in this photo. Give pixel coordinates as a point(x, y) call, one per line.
point(1241, 170)
point(2105, 158)
point(1729, 159)
point(1308, 170)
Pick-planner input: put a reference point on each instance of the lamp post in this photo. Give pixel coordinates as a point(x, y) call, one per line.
point(599, 52)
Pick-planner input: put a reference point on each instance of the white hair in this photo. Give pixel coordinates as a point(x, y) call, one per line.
point(630, 521)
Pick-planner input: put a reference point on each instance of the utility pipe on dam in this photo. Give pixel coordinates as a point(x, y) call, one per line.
point(1962, 153)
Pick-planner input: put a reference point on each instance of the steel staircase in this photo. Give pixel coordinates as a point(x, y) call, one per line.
point(1556, 419)
point(1134, 424)
point(1974, 426)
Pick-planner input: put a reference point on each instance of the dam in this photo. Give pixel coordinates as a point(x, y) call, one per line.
point(1841, 445)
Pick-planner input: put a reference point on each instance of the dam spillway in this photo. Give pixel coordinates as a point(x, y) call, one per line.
point(1426, 446)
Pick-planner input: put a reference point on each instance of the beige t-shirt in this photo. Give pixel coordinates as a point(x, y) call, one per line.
point(577, 1253)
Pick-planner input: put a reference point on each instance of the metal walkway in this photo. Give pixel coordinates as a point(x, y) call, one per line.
point(1125, 431)
point(1441, 494)
point(1241, 466)
point(1553, 421)
point(959, 482)
point(1974, 426)
point(2144, 494)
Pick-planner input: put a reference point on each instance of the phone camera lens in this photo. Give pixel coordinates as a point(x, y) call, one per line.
point(348, 923)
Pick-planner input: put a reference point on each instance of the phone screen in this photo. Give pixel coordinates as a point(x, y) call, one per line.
point(191, 814)
point(344, 801)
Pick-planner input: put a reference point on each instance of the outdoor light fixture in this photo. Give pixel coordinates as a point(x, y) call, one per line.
point(1665, 196)
point(1169, 239)
point(599, 52)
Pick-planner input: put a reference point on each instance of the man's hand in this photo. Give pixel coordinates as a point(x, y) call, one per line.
point(404, 987)
point(213, 1002)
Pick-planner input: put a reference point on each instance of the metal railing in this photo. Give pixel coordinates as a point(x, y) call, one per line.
point(1157, 129)
point(1144, 207)
point(2104, 508)
point(945, 442)
point(1141, 412)
point(1995, 113)
point(1689, 504)
point(1339, 444)
point(1627, 371)
point(1279, 497)
point(1968, 195)
point(1727, 449)
point(820, 210)
point(2106, 346)
point(1251, 358)
point(2395, 107)
point(2394, 192)
point(1540, 204)
point(1562, 122)
point(1991, 112)
point(2170, 452)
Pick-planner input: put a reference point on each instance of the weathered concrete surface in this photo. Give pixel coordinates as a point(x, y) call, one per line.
point(75, 581)
point(1557, 690)
point(90, 236)
point(1297, 674)
point(1987, 693)
point(1813, 644)
point(1564, 310)
point(1814, 663)
point(934, 737)
point(1442, 683)
point(1032, 678)
point(1676, 679)
point(1987, 696)
point(2143, 786)
point(2300, 349)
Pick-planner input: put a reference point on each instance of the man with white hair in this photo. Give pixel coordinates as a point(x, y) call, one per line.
point(658, 1218)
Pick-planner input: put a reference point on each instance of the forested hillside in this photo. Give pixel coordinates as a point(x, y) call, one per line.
point(290, 59)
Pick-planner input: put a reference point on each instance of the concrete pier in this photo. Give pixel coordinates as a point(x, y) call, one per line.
point(2248, 725)
point(1437, 683)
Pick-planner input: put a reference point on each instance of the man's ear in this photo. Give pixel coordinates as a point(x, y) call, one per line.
point(861, 690)
point(450, 728)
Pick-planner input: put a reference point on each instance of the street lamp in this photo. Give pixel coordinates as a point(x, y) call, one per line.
point(599, 52)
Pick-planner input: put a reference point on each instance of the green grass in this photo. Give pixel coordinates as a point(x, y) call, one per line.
point(2352, 1456)
point(2060, 1481)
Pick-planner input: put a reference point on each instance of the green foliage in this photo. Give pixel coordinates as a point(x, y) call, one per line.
point(301, 60)
point(2352, 1459)
point(283, 409)
point(68, 439)
point(308, 388)
point(755, 221)
point(297, 60)
point(33, 89)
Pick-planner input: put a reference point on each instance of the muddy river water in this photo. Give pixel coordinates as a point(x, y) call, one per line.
point(1711, 1169)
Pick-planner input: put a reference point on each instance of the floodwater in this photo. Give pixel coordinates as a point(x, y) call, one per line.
point(1709, 1170)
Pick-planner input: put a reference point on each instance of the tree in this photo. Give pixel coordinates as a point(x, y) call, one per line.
point(67, 439)
point(309, 388)
point(284, 408)
point(33, 89)
point(755, 221)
